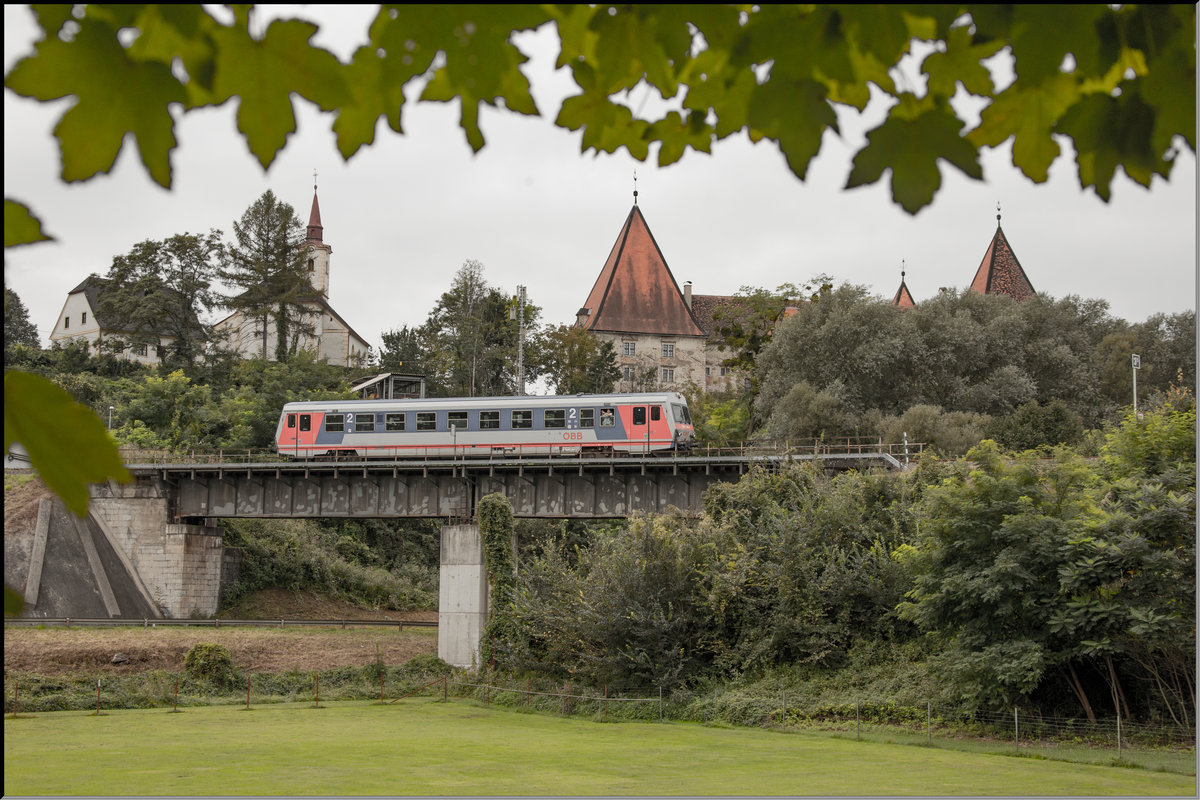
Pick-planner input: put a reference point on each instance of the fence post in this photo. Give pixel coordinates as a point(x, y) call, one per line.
point(857, 722)
point(606, 701)
point(783, 719)
point(247, 691)
point(16, 689)
point(929, 719)
point(176, 707)
point(445, 689)
point(1118, 735)
point(660, 708)
point(317, 699)
point(1016, 730)
point(97, 697)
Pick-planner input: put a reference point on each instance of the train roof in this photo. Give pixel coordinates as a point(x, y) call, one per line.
point(455, 403)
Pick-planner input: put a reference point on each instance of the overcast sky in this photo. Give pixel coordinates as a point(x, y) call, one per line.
point(404, 214)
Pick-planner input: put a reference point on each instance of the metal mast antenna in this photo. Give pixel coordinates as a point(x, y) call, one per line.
point(519, 314)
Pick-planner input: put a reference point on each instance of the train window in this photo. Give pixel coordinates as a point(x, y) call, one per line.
point(681, 415)
point(457, 420)
point(364, 423)
point(639, 415)
point(427, 420)
point(489, 420)
point(655, 413)
point(335, 423)
point(587, 417)
point(305, 422)
point(522, 419)
point(291, 420)
point(393, 422)
point(608, 418)
point(556, 418)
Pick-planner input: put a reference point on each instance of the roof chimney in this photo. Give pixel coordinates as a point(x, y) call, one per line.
point(581, 316)
point(687, 293)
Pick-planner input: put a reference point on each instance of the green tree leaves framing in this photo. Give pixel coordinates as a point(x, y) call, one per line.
point(1116, 80)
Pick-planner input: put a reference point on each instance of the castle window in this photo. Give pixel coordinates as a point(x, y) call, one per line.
point(668, 350)
point(66, 322)
point(668, 375)
point(311, 265)
point(630, 348)
point(83, 319)
point(627, 373)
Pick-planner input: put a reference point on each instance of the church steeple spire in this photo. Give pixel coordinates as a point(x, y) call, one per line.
point(315, 229)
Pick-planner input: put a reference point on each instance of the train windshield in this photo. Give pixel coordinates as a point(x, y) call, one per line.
point(682, 416)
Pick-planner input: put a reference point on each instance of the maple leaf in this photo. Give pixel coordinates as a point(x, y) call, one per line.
point(910, 143)
point(116, 95)
point(20, 226)
point(264, 73)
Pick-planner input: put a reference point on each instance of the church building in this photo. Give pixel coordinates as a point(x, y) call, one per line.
point(332, 339)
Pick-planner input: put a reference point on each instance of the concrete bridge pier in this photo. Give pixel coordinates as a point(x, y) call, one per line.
point(462, 595)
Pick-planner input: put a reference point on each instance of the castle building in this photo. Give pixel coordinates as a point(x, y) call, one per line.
point(332, 338)
point(661, 334)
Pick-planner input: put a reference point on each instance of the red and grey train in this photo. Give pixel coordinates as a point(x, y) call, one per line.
point(482, 427)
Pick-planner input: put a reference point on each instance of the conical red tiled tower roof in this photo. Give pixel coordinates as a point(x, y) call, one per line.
point(1000, 272)
point(315, 229)
point(903, 298)
point(636, 292)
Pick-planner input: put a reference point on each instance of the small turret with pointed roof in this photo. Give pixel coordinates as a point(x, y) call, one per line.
point(903, 298)
point(1000, 272)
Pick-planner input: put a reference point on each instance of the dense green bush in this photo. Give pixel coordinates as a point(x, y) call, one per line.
point(213, 664)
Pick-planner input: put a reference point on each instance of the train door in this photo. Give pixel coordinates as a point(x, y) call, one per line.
point(305, 427)
point(290, 441)
point(640, 435)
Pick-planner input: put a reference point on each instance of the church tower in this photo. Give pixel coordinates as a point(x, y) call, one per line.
point(316, 252)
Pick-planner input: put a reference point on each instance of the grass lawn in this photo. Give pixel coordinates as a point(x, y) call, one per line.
point(423, 747)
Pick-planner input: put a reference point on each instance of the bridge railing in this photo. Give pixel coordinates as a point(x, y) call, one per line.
point(750, 449)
